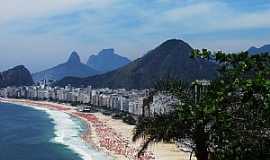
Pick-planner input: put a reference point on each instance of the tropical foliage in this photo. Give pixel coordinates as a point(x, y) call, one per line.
point(230, 121)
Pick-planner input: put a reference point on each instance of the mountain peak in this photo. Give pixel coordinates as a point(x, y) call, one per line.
point(17, 76)
point(106, 51)
point(74, 58)
point(263, 49)
point(107, 60)
point(253, 47)
point(174, 42)
point(169, 60)
point(72, 68)
point(266, 46)
point(171, 47)
point(22, 67)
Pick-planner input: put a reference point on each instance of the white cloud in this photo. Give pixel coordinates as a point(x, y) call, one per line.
point(201, 17)
point(129, 26)
point(188, 12)
point(20, 9)
point(189, 17)
point(259, 19)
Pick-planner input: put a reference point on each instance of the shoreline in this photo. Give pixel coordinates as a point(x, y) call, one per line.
point(97, 135)
point(65, 126)
point(109, 136)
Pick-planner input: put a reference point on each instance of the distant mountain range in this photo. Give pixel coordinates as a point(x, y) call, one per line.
point(17, 76)
point(73, 67)
point(169, 60)
point(107, 60)
point(263, 49)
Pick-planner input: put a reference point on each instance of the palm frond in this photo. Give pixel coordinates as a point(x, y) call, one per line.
point(169, 126)
point(166, 127)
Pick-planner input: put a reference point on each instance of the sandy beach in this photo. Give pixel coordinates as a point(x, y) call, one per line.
point(111, 136)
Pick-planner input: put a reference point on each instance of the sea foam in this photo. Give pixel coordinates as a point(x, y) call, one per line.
point(67, 131)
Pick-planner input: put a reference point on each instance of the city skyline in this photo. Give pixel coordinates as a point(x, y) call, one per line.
point(41, 34)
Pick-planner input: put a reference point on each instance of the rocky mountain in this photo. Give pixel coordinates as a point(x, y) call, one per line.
point(73, 67)
point(17, 76)
point(171, 59)
point(263, 49)
point(107, 60)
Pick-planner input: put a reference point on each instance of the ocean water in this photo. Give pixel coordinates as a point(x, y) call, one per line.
point(34, 134)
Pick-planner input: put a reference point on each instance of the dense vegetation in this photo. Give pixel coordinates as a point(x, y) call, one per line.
point(231, 121)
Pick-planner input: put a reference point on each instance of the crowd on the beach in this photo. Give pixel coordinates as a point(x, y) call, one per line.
point(108, 138)
point(114, 142)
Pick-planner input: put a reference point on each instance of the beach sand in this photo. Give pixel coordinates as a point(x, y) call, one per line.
point(162, 151)
point(110, 135)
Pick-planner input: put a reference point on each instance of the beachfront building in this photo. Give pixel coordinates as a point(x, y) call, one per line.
point(136, 105)
point(60, 94)
point(124, 103)
point(103, 100)
point(162, 104)
point(117, 100)
point(4, 93)
point(121, 100)
point(12, 92)
point(84, 98)
point(95, 98)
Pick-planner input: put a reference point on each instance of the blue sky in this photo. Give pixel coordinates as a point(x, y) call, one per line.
point(40, 34)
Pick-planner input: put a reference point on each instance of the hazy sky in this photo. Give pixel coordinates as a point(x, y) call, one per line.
point(42, 33)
